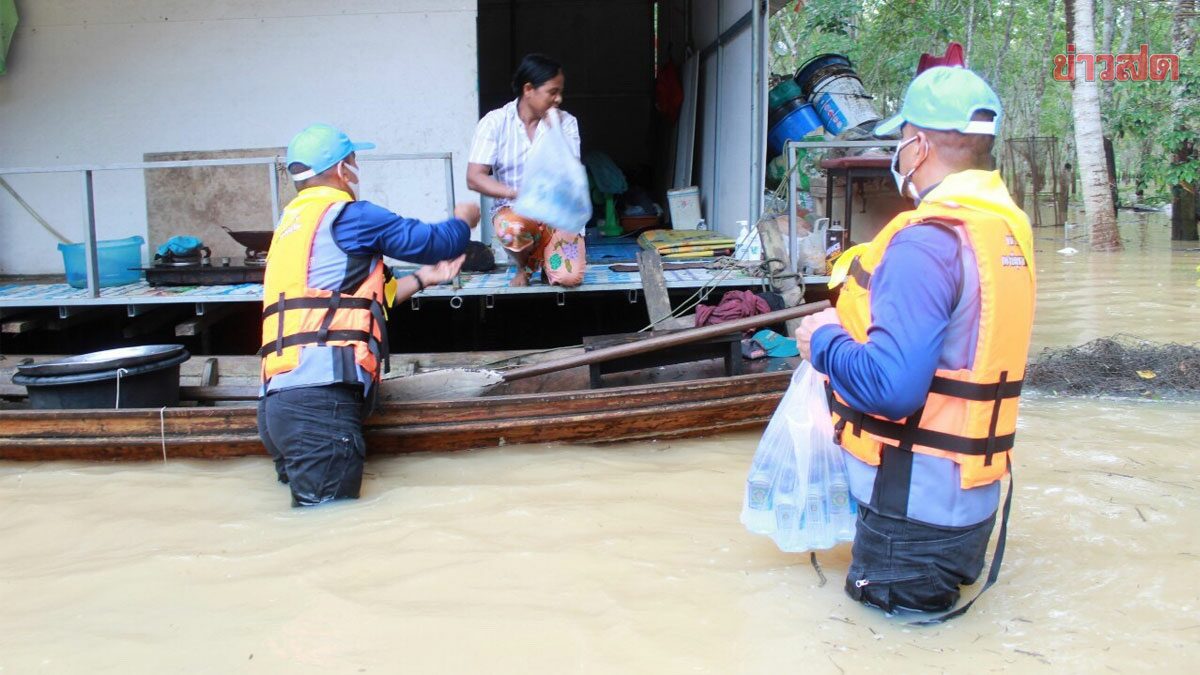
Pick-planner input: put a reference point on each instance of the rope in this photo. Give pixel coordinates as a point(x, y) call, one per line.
point(162, 430)
point(120, 373)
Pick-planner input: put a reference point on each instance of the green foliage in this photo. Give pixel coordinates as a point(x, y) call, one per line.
point(1148, 121)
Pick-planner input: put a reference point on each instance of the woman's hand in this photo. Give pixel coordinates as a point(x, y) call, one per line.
point(432, 275)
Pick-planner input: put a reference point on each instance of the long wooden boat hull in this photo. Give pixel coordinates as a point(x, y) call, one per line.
point(629, 413)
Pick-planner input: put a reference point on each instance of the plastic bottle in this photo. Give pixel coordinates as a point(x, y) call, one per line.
point(842, 511)
point(741, 247)
point(759, 487)
point(763, 477)
point(755, 248)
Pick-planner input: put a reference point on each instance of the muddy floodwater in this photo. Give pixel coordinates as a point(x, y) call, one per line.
point(622, 559)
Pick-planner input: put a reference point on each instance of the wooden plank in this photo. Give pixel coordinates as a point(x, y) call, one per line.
point(654, 286)
point(25, 323)
point(661, 421)
point(533, 409)
point(220, 392)
point(665, 341)
point(197, 325)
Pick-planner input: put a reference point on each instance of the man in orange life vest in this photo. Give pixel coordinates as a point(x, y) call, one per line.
point(926, 351)
point(324, 323)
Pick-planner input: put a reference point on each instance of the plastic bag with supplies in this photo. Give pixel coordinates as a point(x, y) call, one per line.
point(797, 491)
point(555, 187)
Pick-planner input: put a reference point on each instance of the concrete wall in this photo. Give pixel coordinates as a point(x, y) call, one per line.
point(104, 81)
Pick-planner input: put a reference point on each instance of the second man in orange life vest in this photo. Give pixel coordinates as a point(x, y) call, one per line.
point(324, 330)
point(926, 352)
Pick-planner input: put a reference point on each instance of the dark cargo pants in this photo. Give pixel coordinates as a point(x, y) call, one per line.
point(314, 434)
point(898, 564)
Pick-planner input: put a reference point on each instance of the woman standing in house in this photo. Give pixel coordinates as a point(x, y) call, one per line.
point(496, 167)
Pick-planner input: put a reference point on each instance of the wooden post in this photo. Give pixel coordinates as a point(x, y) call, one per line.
point(654, 286)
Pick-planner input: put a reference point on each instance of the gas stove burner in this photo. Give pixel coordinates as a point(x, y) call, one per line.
point(191, 259)
point(256, 260)
point(181, 262)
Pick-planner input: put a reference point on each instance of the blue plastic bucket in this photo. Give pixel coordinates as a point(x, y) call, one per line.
point(117, 261)
point(790, 122)
point(835, 92)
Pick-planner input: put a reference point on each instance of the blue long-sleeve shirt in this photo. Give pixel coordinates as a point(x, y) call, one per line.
point(364, 228)
point(924, 309)
point(913, 294)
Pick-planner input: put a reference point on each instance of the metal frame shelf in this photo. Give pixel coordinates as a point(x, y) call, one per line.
point(87, 172)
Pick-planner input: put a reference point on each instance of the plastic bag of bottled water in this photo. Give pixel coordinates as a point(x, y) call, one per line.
point(555, 187)
point(797, 491)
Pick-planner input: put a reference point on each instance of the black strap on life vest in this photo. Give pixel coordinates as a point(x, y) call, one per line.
point(279, 328)
point(861, 276)
point(323, 335)
point(285, 304)
point(327, 320)
point(311, 338)
point(889, 497)
point(993, 569)
point(972, 391)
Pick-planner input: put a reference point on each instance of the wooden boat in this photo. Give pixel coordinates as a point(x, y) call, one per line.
point(670, 407)
point(541, 401)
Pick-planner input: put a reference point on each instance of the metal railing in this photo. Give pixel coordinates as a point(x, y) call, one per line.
point(87, 172)
point(790, 148)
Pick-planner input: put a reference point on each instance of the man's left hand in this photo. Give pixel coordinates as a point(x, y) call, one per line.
point(809, 325)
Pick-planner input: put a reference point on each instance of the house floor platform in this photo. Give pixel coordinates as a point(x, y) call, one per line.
point(47, 292)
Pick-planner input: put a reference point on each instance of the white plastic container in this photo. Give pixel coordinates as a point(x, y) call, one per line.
point(684, 204)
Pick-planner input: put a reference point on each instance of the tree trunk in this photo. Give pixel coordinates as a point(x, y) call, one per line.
point(1110, 24)
point(1126, 29)
point(1040, 88)
point(1089, 140)
point(1183, 194)
point(995, 81)
point(1106, 32)
point(1069, 17)
point(1110, 164)
point(970, 32)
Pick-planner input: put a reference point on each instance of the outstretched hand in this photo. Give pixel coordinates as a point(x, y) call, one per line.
point(442, 272)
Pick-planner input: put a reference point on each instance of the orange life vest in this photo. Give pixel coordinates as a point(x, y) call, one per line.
point(296, 315)
point(969, 415)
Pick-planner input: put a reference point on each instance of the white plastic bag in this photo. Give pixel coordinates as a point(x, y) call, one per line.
point(812, 249)
point(797, 491)
point(555, 187)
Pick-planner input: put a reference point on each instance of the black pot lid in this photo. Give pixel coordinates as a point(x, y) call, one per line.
point(109, 359)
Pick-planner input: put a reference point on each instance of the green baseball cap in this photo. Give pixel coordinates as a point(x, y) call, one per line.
point(944, 98)
point(319, 147)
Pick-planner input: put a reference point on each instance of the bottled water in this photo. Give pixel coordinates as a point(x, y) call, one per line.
point(797, 490)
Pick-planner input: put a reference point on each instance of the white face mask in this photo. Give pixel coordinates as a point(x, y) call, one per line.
point(354, 185)
point(904, 181)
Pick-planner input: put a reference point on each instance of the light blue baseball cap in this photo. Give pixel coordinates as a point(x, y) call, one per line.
point(319, 147)
point(944, 98)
